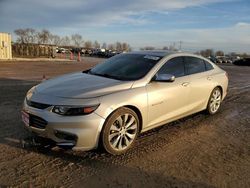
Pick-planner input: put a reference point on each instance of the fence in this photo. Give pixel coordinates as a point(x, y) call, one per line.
point(33, 50)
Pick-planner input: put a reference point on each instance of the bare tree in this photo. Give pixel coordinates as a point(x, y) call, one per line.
point(118, 47)
point(20, 35)
point(111, 47)
point(165, 48)
point(50, 38)
point(125, 47)
point(207, 52)
point(203, 53)
point(65, 41)
point(56, 40)
point(104, 45)
point(43, 36)
point(148, 48)
point(97, 44)
point(244, 55)
point(219, 53)
point(88, 44)
point(77, 40)
point(172, 47)
point(27, 35)
point(233, 54)
point(32, 35)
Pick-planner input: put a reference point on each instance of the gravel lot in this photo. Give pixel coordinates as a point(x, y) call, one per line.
point(197, 151)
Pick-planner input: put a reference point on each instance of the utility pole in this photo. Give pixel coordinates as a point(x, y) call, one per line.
point(180, 47)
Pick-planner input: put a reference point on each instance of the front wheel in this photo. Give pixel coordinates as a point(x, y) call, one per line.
point(120, 131)
point(214, 101)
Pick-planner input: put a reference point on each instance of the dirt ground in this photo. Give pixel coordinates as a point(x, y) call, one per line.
point(197, 151)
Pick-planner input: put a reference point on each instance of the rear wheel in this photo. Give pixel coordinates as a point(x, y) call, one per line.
point(214, 101)
point(120, 131)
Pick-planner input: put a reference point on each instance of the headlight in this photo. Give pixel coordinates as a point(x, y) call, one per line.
point(30, 92)
point(74, 110)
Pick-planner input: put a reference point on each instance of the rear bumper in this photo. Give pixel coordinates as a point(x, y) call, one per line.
point(77, 132)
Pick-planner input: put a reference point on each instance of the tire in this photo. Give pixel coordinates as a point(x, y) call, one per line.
point(214, 101)
point(120, 131)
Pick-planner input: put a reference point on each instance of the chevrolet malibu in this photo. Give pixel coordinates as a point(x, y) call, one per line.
point(110, 104)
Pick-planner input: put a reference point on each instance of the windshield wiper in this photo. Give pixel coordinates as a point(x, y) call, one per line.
point(104, 75)
point(108, 76)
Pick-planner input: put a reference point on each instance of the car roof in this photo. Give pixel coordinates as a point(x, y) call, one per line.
point(159, 53)
point(164, 53)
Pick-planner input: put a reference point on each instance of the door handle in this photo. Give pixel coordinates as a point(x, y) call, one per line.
point(185, 84)
point(209, 78)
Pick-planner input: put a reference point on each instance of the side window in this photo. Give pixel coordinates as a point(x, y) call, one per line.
point(194, 65)
point(174, 66)
point(208, 66)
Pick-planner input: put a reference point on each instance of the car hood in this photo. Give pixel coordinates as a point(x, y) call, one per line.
point(81, 85)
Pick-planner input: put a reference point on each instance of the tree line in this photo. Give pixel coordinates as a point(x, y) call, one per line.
point(32, 36)
point(204, 53)
point(212, 53)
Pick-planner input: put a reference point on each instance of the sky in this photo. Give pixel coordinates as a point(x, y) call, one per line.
point(199, 24)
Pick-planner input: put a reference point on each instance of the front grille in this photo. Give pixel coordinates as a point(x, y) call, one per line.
point(37, 122)
point(37, 105)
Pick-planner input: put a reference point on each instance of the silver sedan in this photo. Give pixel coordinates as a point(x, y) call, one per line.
point(110, 104)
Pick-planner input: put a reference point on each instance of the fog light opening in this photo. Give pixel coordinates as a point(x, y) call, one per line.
point(66, 136)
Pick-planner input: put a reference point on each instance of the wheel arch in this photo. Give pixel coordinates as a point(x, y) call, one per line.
point(131, 107)
point(216, 86)
point(138, 113)
point(221, 89)
point(100, 143)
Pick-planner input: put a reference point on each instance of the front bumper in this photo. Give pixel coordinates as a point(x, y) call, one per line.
point(80, 132)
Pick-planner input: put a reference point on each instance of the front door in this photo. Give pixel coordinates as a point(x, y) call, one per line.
point(168, 100)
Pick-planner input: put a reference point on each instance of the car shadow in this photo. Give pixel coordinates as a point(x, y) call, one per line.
point(108, 170)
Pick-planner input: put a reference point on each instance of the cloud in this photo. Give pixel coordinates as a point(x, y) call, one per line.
point(58, 13)
point(235, 38)
point(100, 19)
point(242, 24)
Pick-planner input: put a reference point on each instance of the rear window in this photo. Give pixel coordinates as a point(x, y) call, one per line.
point(194, 65)
point(208, 66)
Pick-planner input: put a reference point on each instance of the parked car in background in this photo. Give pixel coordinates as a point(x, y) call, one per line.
point(101, 52)
point(76, 50)
point(213, 59)
point(242, 62)
point(88, 52)
point(109, 105)
point(60, 50)
point(223, 59)
point(228, 59)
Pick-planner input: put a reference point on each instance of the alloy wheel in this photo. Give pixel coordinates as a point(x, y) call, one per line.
point(123, 131)
point(215, 101)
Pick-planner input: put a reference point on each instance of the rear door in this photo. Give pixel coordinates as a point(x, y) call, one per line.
point(168, 100)
point(201, 83)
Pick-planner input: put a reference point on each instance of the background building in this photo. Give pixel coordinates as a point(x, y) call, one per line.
point(5, 46)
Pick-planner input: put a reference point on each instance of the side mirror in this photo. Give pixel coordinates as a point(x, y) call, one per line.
point(163, 78)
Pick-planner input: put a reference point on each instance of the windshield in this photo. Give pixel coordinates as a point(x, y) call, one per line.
point(126, 66)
